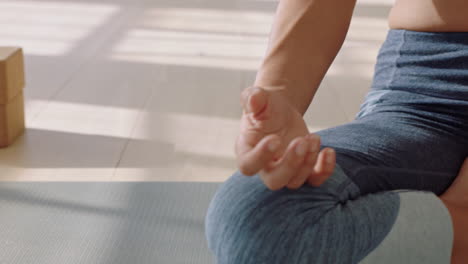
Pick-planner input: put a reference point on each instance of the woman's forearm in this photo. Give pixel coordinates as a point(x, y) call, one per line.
point(306, 36)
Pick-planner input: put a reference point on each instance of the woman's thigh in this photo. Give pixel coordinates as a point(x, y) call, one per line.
point(398, 149)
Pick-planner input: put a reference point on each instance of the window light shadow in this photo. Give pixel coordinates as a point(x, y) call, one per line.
point(50, 28)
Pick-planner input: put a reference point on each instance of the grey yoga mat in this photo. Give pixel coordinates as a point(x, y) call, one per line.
point(104, 222)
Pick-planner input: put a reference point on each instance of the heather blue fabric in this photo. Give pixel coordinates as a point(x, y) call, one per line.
point(411, 133)
point(412, 130)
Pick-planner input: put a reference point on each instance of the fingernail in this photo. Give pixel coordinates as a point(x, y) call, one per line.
point(314, 147)
point(301, 148)
point(273, 145)
point(330, 156)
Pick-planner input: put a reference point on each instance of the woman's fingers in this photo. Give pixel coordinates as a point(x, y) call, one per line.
point(323, 168)
point(301, 162)
point(277, 177)
point(254, 100)
point(251, 161)
point(308, 167)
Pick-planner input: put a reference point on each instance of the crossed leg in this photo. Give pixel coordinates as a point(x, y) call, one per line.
point(352, 213)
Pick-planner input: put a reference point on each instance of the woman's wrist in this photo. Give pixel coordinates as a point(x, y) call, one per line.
point(298, 92)
point(281, 89)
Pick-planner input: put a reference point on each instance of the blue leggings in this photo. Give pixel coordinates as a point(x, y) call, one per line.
point(404, 147)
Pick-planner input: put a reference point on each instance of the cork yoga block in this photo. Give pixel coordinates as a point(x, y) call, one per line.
point(11, 120)
point(11, 73)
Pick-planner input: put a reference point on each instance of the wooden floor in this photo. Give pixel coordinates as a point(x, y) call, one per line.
point(148, 90)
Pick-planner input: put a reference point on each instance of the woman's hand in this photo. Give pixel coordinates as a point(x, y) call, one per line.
point(274, 141)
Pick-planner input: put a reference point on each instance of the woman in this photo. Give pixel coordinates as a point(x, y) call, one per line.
point(366, 191)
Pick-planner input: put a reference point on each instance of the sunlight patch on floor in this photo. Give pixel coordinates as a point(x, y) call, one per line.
point(197, 37)
point(208, 20)
point(85, 119)
point(191, 49)
point(47, 27)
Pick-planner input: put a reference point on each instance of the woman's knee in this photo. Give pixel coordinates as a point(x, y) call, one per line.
point(248, 223)
point(232, 214)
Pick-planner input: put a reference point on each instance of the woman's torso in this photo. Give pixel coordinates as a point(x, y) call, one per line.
point(430, 15)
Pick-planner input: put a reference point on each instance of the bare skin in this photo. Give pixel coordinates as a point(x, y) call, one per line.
point(305, 38)
point(269, 118)
point(298, 56)
point(455, 199)
point(430, 15)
